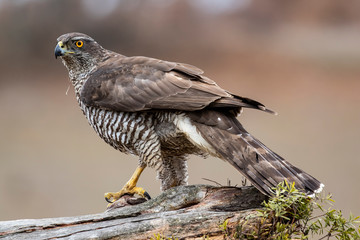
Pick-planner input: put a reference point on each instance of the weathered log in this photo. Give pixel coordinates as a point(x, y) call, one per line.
point(185, 212)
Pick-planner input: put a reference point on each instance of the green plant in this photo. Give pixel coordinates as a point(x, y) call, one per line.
point(224, 228)
point(160, 237)
point(289, 215)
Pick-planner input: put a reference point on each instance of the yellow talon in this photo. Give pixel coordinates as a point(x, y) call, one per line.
point(129, 188)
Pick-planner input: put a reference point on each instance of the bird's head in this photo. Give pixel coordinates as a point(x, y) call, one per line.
point(78, 51)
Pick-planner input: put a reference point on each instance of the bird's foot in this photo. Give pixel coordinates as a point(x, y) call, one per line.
point(111, 197)
point(130, 188)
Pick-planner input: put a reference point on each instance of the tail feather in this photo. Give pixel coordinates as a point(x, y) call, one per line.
point(264, 168)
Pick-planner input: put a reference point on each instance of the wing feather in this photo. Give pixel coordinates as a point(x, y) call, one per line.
point(139, 83)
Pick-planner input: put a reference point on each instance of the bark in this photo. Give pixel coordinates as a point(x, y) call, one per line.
point(185, 212)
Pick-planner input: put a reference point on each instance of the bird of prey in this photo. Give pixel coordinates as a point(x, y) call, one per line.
point(164, 111)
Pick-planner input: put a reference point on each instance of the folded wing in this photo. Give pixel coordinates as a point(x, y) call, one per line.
point(139, 83)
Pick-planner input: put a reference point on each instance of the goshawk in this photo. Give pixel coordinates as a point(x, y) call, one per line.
point(164, 111)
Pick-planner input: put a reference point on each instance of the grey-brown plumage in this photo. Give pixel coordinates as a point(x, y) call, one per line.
point(163, 111)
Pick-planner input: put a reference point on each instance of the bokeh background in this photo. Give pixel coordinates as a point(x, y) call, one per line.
point(300, 58)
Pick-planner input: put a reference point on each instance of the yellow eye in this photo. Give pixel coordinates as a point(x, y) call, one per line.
point(79, 44)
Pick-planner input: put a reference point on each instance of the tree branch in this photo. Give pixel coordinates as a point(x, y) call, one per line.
point(184, 212)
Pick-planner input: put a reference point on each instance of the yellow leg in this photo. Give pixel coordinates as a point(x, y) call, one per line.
point(129, 188)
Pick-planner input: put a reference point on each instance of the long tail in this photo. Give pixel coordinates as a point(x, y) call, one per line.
point(264, 168)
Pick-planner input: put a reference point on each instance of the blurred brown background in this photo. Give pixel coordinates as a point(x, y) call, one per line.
point(300, 58)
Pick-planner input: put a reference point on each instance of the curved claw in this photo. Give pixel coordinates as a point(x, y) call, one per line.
point(146, 195)
point(111, 197)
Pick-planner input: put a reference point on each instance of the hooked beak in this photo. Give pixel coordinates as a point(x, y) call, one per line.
point(61, 50)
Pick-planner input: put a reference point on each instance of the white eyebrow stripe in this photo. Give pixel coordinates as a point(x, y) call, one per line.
point(81, 38)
